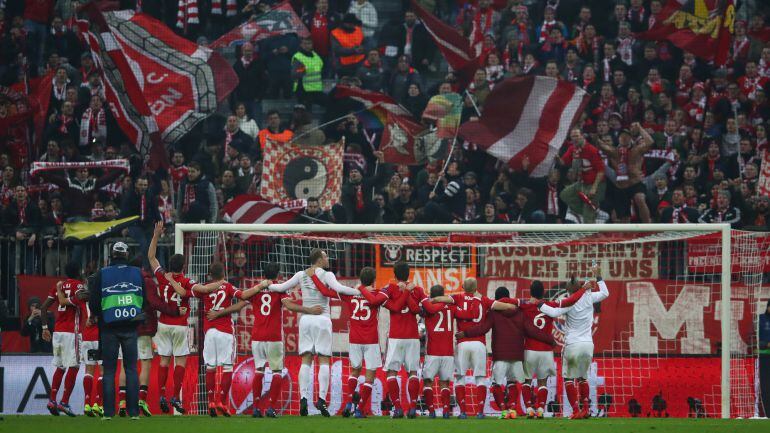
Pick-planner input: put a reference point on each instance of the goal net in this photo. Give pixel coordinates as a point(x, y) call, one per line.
point(664, 342)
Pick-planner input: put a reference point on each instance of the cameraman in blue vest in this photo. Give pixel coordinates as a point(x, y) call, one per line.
point(116, 298)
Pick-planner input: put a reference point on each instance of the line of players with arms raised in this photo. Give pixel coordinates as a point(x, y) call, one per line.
point(522, 341)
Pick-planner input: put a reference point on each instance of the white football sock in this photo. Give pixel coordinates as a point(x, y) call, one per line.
point(323, 380)
point(305, 384)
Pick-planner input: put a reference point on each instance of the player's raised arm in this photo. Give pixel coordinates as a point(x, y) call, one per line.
point(286, 285)
point(603, 292)
point(151, 251)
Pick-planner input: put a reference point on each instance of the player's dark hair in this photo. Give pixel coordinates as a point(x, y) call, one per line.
point(401, 271)
point(315, 255)
point(72, 270)
point(437, 290)
point(367, 276)
point(271, 270)
point(217, 270)
point(502, 292)
point(536, 289)
point(176, 263)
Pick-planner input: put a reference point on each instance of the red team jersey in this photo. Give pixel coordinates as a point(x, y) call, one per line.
point(364, 317)
point(169, 296)
point(219, 300)
point(66, 315)
point(268, 316)
point(540, 321)
point(478, 307)
point(403, 321)
point(87, 333)
point(439, 330)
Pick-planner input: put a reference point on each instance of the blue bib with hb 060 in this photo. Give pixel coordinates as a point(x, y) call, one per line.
point(122, 295)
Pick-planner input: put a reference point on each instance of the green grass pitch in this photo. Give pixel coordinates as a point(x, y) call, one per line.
point(196, 424)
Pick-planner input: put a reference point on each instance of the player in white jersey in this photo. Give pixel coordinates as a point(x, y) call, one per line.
point(315, 331)
point(578, 344)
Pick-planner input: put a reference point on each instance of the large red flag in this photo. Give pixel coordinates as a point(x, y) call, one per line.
point(280, 20)
point(455, 47)
point(253, 209)
point(527, 116)
point(398, 140)
point(702, 27)
point(371, 99)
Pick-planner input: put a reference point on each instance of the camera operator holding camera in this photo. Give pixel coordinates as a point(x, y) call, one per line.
point(116, 297)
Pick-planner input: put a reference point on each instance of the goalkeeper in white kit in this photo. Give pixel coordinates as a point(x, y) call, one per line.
point(578, 344)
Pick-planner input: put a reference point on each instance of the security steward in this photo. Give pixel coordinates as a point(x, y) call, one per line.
point(116, 297)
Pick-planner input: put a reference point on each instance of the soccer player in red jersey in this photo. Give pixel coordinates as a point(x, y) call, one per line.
point(403, 338)
point(65, 350)
point(267, 346)
point(509, 329)
point(439, 352)
point(538, 356)
point(89, 340)
point(171, 338)
point(364, 341)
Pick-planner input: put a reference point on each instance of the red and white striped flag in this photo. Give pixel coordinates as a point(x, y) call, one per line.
point(253, 209)
point(527, 116)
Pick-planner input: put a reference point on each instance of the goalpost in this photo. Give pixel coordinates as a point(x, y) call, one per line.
point(668, 282)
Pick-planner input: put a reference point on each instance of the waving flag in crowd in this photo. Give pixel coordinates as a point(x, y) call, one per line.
point(280, 20)
point(159, 85)
point(376, 106)
point(702, 27)
point(253, 209)
point(291, 172)
point(455, 47)
point(515, 123)
point(445, 111)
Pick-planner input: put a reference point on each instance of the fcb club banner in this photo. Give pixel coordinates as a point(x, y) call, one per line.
point(25, 385)
point(618, 261)
point(291, 171)
point(281, 20)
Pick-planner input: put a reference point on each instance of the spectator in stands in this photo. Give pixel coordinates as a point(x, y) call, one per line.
point(22, 221)
point(245, 123)
point(347, 46)
point(305, 133)
point(724, 212)
point(247, 176)
point(679, 212)
point(274, 131)
point(63, 126)
point(356, 205)
point(584, 195)
point(415, 101)
point(367, 15)
point(140, 201)
point(313, 214)
point(306, 70)
point(251, 78)
point(408, 37)
point(277, 53)
point(197, 197)
point(320, 21)
point(234, 138)
point(229, 188)
point(371, 72)
point(401, 78)
point(32, 327)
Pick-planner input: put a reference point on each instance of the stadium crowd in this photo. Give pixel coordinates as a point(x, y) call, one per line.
point(666, 136)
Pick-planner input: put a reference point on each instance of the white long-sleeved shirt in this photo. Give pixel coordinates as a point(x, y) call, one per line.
point(311, 297)
point(580, 316)
point(367, 14)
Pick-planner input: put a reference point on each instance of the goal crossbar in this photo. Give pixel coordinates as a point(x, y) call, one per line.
point(723, 229)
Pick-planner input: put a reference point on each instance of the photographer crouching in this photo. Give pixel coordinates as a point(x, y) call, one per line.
point(116, 297)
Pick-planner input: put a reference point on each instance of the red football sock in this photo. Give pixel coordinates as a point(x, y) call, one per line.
point(275, 390)
point(365, 404)
point(352, 384)
point(413, 388)
point(460, 397)
point(256, 388)
point(224, 388)
point(211, 384)
point(572, 394)
point(427, 395)
point(526, 392)
point(514, 402)
point(143, 392)
point(69, 384)
point(162, 379)
point(178, 379)
point(121, 393)
point(98, 394)
point(393, 391)
point(499, 396)
point(585, 393)
point(481, 397)
point(542, 396)
point(446, 399)
point(88, 386)
point(58, 375)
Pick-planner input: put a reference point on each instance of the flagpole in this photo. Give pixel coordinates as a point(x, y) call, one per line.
point(475, 107)
point(449, 156)
point(294, 138)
